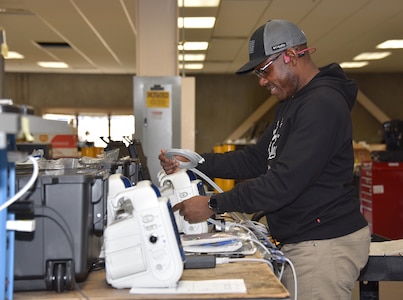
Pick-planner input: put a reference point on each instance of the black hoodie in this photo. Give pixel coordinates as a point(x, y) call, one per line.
point(300, 172)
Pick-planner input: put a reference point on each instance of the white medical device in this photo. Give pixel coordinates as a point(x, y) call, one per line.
point(141, 239)
point(180, 186)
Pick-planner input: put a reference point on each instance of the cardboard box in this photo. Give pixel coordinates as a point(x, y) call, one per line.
point(31, 147)
point(63, 145)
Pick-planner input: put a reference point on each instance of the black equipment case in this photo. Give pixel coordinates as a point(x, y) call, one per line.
point(69, 209)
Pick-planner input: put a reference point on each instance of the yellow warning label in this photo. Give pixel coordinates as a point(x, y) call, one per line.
point(157, 99)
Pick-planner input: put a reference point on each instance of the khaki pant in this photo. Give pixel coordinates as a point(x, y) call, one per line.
point(327, 269)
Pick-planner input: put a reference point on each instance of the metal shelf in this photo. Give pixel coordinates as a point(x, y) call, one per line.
point(11, 124)
point(39, 125)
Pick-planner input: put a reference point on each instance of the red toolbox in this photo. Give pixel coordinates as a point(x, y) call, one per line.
point(381, 195)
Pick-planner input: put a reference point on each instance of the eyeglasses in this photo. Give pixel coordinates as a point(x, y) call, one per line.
point(261, 72)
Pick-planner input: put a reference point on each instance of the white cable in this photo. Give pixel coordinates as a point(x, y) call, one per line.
point(208, 179)
point(261, 227)
point(280, 275)
point(225, 260)
point(215, 222)
point(193, 157)
point(232, 224)
point(30, 182)
point(262, 245)
point(294, 274)
point(253, 225)
point(272, 253)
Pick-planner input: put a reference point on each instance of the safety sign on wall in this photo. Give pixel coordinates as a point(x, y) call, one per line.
point(155, 99)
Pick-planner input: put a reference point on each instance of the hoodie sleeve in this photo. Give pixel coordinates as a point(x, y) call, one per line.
point(249, 162)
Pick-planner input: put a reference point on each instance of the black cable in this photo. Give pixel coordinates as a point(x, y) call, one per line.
point(95, 265)
point(69, 236)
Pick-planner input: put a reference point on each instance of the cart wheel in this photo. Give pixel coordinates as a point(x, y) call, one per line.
point(49, 276)
point(59, 277)
point(69, 275)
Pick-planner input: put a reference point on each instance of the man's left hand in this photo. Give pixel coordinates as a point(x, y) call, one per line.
point(194, 209)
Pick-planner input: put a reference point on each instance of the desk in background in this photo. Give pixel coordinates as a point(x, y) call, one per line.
point(379, 268)
point(260, 281)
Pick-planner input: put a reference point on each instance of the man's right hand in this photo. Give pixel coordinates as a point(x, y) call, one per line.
point(170, 165)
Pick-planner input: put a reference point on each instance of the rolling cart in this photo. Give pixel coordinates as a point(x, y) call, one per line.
point(69, 209)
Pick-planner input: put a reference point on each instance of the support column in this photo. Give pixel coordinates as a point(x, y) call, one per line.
point(157, 38)
point(169, 122)
point(156, 122)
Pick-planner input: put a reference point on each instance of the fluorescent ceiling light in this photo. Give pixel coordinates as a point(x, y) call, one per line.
point(199, 3)
point(372, 55)
point(191, 66)
point(391, 44)
point(196, 22)
point(13, 55)
point(193, 46)
point(192, 57)
point(53, 64)
point(353, 64)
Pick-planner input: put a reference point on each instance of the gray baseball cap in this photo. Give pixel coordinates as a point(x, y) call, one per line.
point(273, 37)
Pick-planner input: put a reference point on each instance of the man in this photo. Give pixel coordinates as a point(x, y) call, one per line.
point(300, 172)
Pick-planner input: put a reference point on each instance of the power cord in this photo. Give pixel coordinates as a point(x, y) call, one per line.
point(226, 260)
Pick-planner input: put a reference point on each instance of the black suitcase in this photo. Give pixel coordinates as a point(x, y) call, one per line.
point(387, 156)
point(393, 134)
point(69, 208)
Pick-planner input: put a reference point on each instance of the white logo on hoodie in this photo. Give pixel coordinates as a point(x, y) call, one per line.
point(272, 149)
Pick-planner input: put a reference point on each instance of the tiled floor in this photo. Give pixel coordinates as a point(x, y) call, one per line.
point(388, 290)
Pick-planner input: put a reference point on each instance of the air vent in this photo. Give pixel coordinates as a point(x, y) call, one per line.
point(54, 45)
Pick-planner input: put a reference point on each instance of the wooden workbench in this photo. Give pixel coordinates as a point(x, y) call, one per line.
point(260, 282)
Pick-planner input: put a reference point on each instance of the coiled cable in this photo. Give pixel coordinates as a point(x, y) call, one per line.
point(29, 184)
